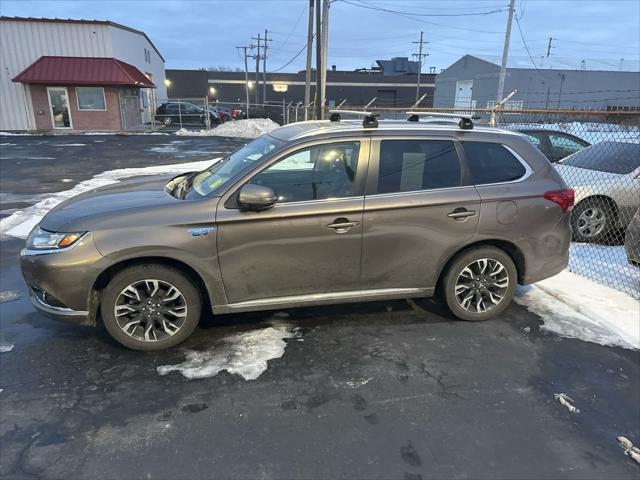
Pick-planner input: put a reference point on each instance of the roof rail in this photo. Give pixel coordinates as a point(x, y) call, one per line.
point(465, 120)
point(369, 119)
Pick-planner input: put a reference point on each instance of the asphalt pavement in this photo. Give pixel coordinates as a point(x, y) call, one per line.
point(384, 390)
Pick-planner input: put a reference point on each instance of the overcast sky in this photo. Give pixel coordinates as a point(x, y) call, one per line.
point(204, 33)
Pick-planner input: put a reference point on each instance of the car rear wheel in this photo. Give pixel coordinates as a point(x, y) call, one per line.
point(151, 307)
point(592, 220)
point(479, 284)
point(167, 121)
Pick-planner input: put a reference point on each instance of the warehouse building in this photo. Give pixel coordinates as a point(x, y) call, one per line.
point(472, 82)
point(392, 84)
point(63, 74)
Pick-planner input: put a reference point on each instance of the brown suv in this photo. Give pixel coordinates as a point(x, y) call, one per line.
point(312, 213)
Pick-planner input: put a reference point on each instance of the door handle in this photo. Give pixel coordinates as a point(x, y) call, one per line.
point(462, 214)
point(342, 225)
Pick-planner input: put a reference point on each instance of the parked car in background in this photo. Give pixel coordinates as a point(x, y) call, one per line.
point(225, 113)
point(555, 144)
point(632, 240)
point(185, 113)
point(311, 213)
point(605, 177)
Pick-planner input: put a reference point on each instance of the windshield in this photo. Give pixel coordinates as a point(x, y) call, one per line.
point(611, 157)
point(207, 181)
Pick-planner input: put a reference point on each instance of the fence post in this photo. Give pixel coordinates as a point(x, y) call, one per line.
point(180, 113)
point(284, 113)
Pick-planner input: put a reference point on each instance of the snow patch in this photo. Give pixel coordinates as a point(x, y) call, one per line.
point(567, 401)
point(9, 296)
point(71, 145)
point(245, 354)
point(575, 307)
point(6, 347)
point(251, 128)
point(16, 134)
point(22, 222)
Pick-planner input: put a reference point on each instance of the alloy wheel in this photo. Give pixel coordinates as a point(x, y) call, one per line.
point(150, 310)
point(481, 285)
point(591, 222)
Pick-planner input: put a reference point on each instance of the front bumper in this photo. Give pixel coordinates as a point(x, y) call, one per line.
point(61, 283)
point(78, 317)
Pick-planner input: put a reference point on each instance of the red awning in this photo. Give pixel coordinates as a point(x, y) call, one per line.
point(83, 71)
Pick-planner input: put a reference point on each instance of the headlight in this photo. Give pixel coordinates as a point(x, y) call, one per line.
point(40, 239)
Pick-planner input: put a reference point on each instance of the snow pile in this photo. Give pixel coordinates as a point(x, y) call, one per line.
point(6, 347)
point(245, 354)
point(251, 128)
point(20, 223)
point(575, 307)
point(605, 264)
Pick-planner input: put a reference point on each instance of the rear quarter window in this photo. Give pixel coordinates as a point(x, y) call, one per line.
point(491, 163)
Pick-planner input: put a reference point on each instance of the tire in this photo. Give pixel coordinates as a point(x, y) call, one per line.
point(592, 220)
point(168, 121)
point(491, 294)
point(173, 320)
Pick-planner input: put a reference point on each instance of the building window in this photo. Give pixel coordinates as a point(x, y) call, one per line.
point(91, 98)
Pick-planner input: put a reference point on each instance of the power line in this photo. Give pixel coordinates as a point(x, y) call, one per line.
point(295, 56)
point(388, 10)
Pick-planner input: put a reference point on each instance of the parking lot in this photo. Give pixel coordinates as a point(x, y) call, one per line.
point(372, 390)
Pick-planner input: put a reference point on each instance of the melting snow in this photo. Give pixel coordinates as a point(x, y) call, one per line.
point(8, 296)
point(567, 401)
point(575, 307)
point(6, 347)
point(21, 222)
point(245, 354)
point(71, 145)
point(251, 128)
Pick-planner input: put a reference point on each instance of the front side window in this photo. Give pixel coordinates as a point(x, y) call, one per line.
point(491, 163)
point(410, 165)
point(91, 98)
point(313, 173)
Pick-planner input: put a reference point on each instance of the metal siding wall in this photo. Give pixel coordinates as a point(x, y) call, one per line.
point(22, 43)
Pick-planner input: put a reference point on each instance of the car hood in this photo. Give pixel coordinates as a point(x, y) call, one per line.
point(83, 212)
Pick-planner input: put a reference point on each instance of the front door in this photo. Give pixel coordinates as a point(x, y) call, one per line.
point(309, 243)
point(418, 211)
point(464, 94)
point(59, 107)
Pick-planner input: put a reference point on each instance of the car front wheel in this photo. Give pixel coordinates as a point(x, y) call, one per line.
point(151, 307)
point(479, 284)
point(167, 121)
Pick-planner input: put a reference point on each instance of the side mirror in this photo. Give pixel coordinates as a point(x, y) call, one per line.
point(256, 197)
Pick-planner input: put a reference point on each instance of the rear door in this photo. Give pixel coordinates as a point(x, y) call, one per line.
point(418, 209)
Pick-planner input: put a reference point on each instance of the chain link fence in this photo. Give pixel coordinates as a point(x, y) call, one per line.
point(597, 153)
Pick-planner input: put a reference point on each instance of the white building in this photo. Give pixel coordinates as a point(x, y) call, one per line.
point(24, 41)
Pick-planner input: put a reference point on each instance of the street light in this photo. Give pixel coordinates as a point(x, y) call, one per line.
point(212, 91)
point(250, 84)
point(167, 82)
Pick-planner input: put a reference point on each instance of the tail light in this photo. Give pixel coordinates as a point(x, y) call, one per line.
point(564, 198)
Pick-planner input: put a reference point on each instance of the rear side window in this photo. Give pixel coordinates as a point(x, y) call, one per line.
point(491, 163)
point(410, 165)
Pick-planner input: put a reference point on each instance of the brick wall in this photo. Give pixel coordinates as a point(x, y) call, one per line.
point(80, 119)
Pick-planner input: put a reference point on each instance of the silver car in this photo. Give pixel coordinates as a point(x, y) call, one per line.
point(312, 213)
point(606, 181)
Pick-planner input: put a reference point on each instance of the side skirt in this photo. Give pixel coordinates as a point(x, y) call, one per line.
point(323, 299)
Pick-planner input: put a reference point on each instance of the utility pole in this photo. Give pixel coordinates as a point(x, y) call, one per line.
point(257, 57)
point(307, 79)
point(318, 60)
point(505, 51)
point(549, 47)
point(246, 76)
point(325, 55)
point(420, 56)
point(264, 66)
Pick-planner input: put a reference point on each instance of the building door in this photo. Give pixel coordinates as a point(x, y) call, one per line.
point(464, 92)
point(130, 108)
point(59, 107)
